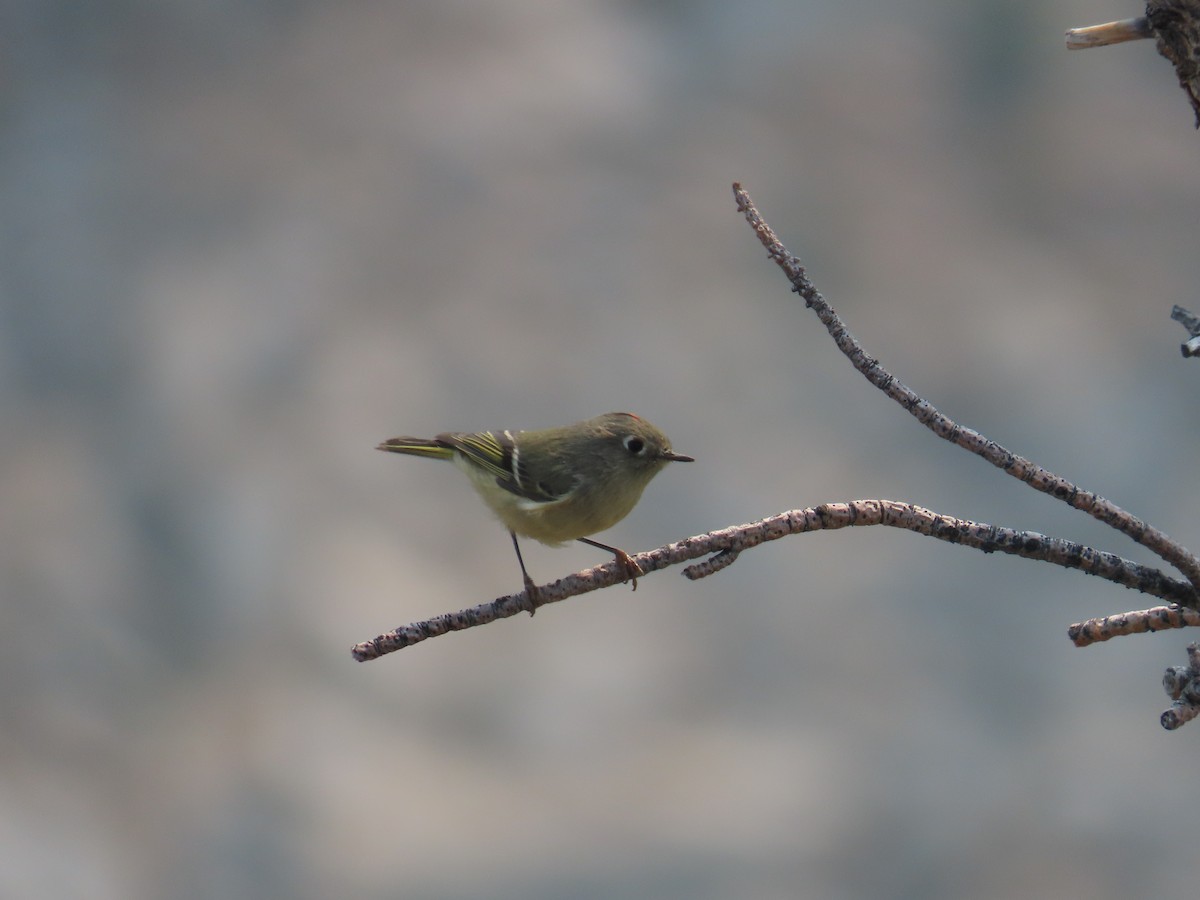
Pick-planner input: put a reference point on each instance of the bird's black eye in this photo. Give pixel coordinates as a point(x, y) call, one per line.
point(634, 445)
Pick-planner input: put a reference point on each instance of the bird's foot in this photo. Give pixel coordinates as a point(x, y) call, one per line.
point(632, 569)
point(533, 597)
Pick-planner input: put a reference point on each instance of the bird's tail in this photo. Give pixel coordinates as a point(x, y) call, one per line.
point(434, 449)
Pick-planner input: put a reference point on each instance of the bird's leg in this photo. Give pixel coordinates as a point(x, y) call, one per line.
point(532, 599)
point(632, 569)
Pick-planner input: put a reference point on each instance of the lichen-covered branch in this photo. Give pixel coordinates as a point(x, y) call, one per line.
point(1017, 466)
point(1182, 684)
point(1157, 618)
point(723, 547)
point(1176, 26)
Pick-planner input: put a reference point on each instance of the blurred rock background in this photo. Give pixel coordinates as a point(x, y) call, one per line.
point(242, 243)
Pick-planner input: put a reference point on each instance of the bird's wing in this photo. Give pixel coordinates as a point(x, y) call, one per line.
point(497, 453)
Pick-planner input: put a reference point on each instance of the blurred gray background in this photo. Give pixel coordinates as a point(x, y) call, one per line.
point(244, 242)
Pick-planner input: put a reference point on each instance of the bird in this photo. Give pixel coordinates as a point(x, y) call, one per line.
point(556, 484)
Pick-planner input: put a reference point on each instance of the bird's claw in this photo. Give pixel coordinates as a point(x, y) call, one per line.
point(632, 569)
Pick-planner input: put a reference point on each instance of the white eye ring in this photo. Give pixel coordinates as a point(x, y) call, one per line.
point(634, 444)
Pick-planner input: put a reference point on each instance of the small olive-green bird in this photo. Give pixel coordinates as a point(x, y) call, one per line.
point(557, 484)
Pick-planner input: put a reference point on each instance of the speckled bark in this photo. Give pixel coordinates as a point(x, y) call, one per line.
point(1176, 26)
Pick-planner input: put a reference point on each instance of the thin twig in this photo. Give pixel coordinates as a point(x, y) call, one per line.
point(727, 543)
point(1157, 618)
point(1017, 466)
point(1186, 318)
point(1191, 322)
point(1109, 33)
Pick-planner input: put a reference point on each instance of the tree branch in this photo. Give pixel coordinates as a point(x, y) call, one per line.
point(720, 549)
point(944, 427)
point(724, 546)
point(1175, 27)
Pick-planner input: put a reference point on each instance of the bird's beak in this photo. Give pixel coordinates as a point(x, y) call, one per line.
point(677, 457)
